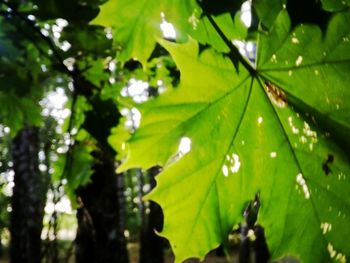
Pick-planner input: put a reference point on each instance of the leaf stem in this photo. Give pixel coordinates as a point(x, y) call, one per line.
point(234, 55)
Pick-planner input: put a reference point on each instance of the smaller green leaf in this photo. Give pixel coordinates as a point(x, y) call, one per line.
point(119, 135)
point(136, 24)
point(335, 5)
point(6, 48)
point(16, 111)
point(80, 108)
point(232, 26)
point(87, 39)
point(96, 73)
point(80, 171)
point(75, 167)
point(268, 10)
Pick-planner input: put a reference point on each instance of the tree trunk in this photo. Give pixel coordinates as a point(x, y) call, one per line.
point(101, 217)
point(152, 245)
point(28, 200)
point(100, 236)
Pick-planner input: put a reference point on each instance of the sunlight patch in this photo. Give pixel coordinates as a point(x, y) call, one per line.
point(184, 146)
point(246, 14)
point(167, 28)
point(301, 181)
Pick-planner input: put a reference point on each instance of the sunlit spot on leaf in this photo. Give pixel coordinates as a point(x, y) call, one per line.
point(341, 176)
point(295, 40)
point(299, 60)
point(301, 181)
point(337, 256)
point(326, 227)
point(274, 58)
point(194, 19)
point(273, 154)
point(246, 14)
point(111, 80)
point(167, 28)
point(225, 170)
point(232, 164)
point(184, 146)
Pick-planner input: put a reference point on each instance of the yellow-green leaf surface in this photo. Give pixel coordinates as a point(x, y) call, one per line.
point(314, 72)
point(136, 23)
point(184, 114)
point(281, 133)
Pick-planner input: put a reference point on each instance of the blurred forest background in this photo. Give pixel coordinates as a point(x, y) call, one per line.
point(61, 199)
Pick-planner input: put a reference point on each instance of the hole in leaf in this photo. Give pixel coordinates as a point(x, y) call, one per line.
point(325, 165)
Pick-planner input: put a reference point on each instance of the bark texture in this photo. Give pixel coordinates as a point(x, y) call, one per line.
point(152, 245)
point(101, 218)
point(26, 220)
point(100, 236)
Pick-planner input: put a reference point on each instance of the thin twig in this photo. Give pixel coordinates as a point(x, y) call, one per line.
point(37, 29)
point(74, 74)
point(7, 15)
point(234, 54)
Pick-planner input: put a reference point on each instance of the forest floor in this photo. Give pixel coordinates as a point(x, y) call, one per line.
point(169, 258)
point(133, 253)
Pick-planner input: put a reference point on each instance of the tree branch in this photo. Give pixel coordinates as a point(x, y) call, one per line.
point(74, 74)
point(37, 30)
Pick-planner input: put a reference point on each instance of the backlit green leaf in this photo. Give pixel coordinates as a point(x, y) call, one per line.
point(282, 133)
point(335, 5)
point(137, 23)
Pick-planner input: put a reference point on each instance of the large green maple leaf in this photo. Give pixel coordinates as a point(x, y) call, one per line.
point(281, 130)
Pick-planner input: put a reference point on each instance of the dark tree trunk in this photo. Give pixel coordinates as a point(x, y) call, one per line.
point(28, 199)
point(1, 249)
point(152, 245)
point(100, 236)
